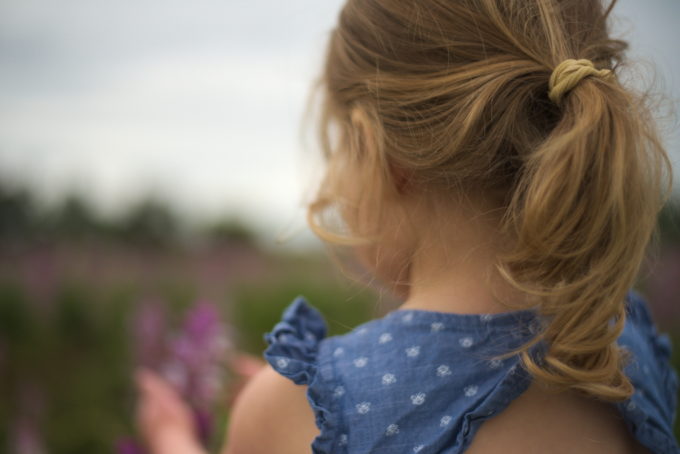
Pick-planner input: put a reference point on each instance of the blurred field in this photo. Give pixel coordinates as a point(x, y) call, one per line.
point(83, 301)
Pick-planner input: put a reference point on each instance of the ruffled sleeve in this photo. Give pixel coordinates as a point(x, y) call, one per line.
point(294, 352)
point(294, 342)
point(650, 412)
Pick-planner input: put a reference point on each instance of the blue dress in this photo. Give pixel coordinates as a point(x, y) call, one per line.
point(419, 381)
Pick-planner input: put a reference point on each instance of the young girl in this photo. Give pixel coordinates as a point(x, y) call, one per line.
point(493, 172)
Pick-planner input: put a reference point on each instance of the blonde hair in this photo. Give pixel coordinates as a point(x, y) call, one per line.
point(457, 93)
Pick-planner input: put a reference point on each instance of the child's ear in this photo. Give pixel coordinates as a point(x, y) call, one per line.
point(364, 137)
point(401, 178)
point(368, 153)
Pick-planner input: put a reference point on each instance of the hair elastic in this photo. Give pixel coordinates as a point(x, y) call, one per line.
point(569, 73)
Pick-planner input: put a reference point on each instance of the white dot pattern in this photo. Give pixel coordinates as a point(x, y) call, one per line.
point(436, 327)
point(392, 429)
point(363, 408)
point(495, 363)
point(363, 397)
point(443, 371)
point(360, 362)
point(385, 338)
point(418, 399)
point(412, 352)
point(470, 390)
point(415, 377)
point(388, 379)
point(465, 342)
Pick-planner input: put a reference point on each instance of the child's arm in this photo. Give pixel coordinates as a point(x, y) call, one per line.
point(271, 415)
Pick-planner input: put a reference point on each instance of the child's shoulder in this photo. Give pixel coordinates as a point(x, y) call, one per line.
point(271, 414)
point(431, 379)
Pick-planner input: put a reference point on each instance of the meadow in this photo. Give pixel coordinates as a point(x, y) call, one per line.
point(83, 302)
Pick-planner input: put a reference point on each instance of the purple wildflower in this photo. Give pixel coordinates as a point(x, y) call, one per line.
point(197, 360)
point(128, 446)
point(25, 436)
point(40, 270)
point(192, 358)
point(198, 354)
point(150, 331)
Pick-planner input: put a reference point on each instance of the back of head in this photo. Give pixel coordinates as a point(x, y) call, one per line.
point(459, 93)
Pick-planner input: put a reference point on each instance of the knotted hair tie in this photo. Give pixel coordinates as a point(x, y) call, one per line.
point(568, 74)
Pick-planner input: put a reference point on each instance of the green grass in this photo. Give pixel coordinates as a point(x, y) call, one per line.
point(257, 308)
point(77, 352)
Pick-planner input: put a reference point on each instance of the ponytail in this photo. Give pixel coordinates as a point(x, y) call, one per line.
point(583, 212)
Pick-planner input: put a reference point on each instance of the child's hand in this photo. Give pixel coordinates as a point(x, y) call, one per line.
point(165, 422)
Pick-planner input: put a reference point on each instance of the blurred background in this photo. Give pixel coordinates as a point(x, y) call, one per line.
point(153, 179)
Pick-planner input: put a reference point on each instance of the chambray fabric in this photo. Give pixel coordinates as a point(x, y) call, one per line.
point(419, 381)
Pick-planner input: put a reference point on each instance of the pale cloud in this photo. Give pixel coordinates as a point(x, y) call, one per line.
point(200, 100)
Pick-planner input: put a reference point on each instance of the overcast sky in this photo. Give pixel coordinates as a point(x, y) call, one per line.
point(199, 101)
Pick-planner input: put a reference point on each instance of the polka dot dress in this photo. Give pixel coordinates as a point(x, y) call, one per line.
point(420, 381)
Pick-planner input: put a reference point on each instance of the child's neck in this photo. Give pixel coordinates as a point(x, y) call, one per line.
point(453, 269)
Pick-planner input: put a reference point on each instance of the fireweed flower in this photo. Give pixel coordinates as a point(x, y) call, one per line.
point(197, 361)
point(150, 329)
point(193, 357)
point(128, 446)
point(25, 435)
